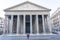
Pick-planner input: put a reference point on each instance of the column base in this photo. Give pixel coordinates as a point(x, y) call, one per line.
point(37, 33)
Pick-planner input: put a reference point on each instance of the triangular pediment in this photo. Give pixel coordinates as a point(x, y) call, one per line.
point(27, 6)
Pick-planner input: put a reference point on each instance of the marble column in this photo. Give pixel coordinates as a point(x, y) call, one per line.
point(24, 24)
point(43, 24)
point(11, 24)
point(37, 24)
point(18, 23)
point(31, 24)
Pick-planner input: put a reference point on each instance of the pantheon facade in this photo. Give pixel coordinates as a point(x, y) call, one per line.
point(27, 18)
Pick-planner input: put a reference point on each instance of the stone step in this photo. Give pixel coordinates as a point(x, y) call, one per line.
point(42, 37)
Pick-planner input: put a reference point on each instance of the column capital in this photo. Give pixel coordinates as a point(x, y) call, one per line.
point(43, 15)
point(12, 15)
point(18, 15)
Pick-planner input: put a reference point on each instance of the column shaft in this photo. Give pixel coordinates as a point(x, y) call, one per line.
point(18, 23)
point(37, 24)
point(31, 24)
point(43, 24)
point(24, 23)
point(11, 24)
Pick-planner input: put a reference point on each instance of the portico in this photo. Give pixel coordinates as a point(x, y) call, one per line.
point(27, 18)
point(23, 24)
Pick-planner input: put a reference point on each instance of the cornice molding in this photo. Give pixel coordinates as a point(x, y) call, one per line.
point(27, 10)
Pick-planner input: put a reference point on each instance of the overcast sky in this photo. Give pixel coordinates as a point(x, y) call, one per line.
point(51, 4)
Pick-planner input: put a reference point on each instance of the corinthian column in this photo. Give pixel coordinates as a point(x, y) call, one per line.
point(31, 24)
point(37, 24)
point(18, 22)
point(24, 24)
point(43, 24)
point(11, 24)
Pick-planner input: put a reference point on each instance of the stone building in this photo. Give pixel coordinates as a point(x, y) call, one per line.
point(55, 21)
point(1, 25)
point(28, 18)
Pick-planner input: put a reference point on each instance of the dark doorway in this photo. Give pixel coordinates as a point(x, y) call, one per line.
point(27, 27)
point(27, 23)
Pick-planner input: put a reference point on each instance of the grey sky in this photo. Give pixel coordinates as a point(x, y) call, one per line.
point(51, 4)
